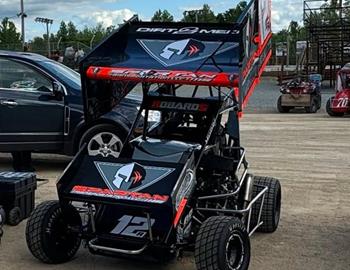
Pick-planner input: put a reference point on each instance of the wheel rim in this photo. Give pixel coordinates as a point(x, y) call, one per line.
point(235, 252)
point(105, 144)
point(63, 240)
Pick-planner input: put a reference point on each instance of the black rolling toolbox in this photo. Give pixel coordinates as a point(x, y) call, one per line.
point(17, 195)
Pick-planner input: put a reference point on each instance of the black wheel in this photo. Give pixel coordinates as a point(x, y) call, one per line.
point(330, 111)
point(313, 106)
point(222, 243)
point(14, 216)
point(2, 216)
point(270, 215)
point(103, 140)
point(50, 235)
point(280, 108)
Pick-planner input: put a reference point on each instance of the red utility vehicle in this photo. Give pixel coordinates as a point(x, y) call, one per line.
point(340, 104)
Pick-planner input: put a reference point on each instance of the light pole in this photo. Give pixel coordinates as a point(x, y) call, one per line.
point(47, 22)
point(22, 15)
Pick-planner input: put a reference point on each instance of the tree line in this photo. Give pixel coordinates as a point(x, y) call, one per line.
point(69, 32)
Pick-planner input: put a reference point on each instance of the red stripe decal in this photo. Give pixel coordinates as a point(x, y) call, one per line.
point(180, 210)
point(162, 76)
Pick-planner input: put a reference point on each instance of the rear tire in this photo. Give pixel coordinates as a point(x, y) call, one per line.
point(280, 108)
point(313, 106)
point(270, 215)
point(48, 233)
point(330, 111)
point(222, 243)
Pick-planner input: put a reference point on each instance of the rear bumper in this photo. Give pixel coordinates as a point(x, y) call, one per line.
point(290, 100)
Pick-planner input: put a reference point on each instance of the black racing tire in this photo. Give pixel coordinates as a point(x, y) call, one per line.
point(2, 216)
point(330, 111)
point(313, 106)
point(222, 243)
point(280, 108)
point(14, 216)
point(271, 211)
point(48, 233)
point(118, 131)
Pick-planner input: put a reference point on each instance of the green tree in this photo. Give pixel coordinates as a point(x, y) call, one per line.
point(38, 44)
point(162, 16)
point(232, 15)
point(62, 32)
point(72, 32)
point(8, 33)
point(204, 15)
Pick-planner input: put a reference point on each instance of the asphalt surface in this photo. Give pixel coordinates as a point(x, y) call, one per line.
point(309, 153)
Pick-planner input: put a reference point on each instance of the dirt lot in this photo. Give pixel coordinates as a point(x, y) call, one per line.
point(310, 154)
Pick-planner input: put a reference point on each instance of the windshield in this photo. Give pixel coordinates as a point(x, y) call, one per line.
point(63, 72)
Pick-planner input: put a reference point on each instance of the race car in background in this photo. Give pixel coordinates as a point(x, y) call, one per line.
point(339, 105)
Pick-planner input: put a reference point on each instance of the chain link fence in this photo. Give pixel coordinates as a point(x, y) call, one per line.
point(68, 52)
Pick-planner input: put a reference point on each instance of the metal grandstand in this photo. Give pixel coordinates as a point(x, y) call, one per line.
point(328, 27)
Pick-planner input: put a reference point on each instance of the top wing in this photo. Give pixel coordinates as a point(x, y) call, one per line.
point(223, 55)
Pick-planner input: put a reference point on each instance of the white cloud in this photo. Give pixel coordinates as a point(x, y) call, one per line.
point(82, 13)
point(106, 17)
point(284, 11)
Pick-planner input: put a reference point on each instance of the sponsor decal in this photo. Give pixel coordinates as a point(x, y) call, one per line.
point(120, 194)
point(132, 176)
point(163, 76)
point(177, 52)
point(196, 107)
point(132, 173)
point(265, 18)
point(187, 48)
point(187, 31)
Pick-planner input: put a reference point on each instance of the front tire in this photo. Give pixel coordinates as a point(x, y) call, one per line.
point(271, 211)
point(280, 108)
point(330, 111)
point(313, 106)
point(222, 243)
point(49, 233)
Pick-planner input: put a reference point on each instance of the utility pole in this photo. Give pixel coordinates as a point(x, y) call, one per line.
point(47, 22)
point(22, 15)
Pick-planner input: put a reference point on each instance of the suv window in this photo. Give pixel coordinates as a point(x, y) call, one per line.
point(18, 76)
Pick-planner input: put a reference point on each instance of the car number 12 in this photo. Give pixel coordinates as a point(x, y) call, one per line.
point(132, 226)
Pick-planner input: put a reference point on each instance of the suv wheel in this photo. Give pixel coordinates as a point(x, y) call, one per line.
point(103, 140)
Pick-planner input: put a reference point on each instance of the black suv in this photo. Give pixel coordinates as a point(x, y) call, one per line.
point(41, 110)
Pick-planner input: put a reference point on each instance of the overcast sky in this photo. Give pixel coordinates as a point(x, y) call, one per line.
point(112, 12)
